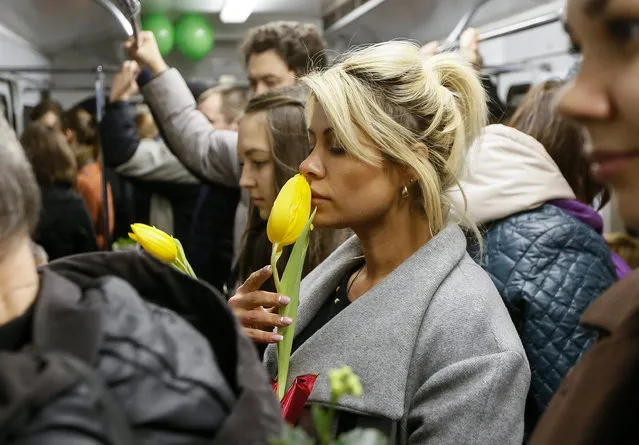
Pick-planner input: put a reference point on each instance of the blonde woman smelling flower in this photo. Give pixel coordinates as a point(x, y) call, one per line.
point(401, 302)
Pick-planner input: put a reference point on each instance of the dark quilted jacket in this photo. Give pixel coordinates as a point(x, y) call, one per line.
point(548, 267)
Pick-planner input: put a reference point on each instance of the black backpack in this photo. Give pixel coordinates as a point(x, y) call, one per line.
point(256, 414)
point(53, 397)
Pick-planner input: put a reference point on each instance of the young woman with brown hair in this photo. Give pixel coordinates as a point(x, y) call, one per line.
point(597, 402)
point(272, 143)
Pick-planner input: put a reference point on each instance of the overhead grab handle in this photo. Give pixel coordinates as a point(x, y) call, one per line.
point(119, 15)
point(132, 10)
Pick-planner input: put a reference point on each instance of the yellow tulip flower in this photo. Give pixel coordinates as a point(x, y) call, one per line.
point(158, 243)
point(290, 212)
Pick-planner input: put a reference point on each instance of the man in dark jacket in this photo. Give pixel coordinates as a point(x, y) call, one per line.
point(165, 345)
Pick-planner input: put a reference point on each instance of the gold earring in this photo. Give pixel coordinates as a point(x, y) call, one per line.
point(405, 192)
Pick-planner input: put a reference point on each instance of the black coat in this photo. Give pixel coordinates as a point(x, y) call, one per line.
point(65, 227)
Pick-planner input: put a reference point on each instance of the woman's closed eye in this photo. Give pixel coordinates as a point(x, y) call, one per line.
point(337, 151)
point(623, 31)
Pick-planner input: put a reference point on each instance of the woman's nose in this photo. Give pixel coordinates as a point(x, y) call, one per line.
point(585, 99)
point(246, 180)
point(312, 167)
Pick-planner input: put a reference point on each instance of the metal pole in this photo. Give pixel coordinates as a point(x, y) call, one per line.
point(452, 41)
point(99, 110)
point(109, 69)
point(74, 88)
point(521, 26)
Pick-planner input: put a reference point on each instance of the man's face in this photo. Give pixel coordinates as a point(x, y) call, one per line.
point(212, 109)
point(267, 71)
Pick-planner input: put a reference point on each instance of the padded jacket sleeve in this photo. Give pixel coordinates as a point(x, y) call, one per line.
point(143, 159)
point(548, 267)
point(209, 154)
point(118, 133)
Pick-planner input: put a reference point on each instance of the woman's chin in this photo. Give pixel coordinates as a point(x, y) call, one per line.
point(325, 221)
point(264, 213)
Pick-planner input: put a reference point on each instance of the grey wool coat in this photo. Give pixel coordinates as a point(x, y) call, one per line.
point(439, 359)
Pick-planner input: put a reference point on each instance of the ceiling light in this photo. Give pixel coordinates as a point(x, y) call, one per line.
point(237, 11)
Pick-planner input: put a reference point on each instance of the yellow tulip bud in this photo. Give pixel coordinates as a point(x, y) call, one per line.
point(291, 210)
point(158, 243)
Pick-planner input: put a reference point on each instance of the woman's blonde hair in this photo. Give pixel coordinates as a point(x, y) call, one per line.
point(421, 113)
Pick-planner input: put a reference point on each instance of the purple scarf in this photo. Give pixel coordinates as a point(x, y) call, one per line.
point(589, 216)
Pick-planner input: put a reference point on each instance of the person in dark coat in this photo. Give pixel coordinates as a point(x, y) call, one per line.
point(65, 227)
point(531, 188)
point(597, 402)
point(166, 347)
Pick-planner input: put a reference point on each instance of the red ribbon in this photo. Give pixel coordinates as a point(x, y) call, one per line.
point(296, 397)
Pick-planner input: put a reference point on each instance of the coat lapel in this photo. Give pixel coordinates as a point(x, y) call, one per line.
point(376, 334)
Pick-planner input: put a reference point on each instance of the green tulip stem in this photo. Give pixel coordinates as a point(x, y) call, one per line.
point(276, 253)
point(182, 262)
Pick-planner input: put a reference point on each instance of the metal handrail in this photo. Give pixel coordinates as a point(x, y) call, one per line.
point(46, 70)
point(524, 25)
point(452, 41)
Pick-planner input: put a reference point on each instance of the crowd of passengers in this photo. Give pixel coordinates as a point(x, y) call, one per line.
point(458, 263)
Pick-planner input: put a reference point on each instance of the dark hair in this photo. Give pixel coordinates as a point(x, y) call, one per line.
point(300, 45)
point(46, 106)
point(563, 139)
point(234, 100)
point(19, 192)
point(288, 134)
point(84, 127)
point(49, 154)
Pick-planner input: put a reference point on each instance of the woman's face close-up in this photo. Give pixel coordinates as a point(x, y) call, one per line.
point(347, 192)
point(258, 169)
point(604, 96)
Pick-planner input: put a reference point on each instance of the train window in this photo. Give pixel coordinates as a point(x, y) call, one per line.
point(4, 107)
point(26, 114)
point(515, 96)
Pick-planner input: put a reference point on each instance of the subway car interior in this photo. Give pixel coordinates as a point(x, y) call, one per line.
point(318, 221)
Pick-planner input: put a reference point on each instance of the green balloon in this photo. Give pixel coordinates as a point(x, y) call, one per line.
point(194, 36)
point(162, 29)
